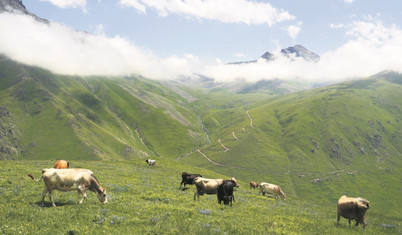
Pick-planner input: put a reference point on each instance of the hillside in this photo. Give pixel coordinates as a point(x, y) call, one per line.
point(47, 116)
point(320, 143)
point(317, 144)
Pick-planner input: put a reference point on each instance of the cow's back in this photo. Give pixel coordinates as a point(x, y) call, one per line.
point(65, 179)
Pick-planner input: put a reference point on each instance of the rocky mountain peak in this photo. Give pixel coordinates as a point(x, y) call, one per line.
point(300, 51)
point(16, 6)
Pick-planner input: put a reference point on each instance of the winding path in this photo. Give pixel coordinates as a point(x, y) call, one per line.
point(226, 149)
point(251, 120)
point(235, 136)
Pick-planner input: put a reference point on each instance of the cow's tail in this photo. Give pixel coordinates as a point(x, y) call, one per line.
point(31, 176)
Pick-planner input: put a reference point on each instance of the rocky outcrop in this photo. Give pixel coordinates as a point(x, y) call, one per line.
point(8, 135)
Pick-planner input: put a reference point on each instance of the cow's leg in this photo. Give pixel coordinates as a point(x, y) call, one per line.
point(44, 194)
point(51, 198)
point(83, 191)
point(196, 194)
point(349, 223)
point(339, 217)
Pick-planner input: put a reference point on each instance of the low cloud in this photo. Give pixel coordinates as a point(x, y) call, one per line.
point(372, 48)
point(227, 11)
point(66, 51)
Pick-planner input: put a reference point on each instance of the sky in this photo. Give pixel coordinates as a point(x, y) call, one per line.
point(168, 39)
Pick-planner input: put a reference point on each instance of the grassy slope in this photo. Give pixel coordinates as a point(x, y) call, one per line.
point(94, 118)
point(347, 135)
point(146, 200)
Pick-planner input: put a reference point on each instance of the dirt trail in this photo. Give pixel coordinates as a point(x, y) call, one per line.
point(235, 136)
point(226, 149)
point(251, 120)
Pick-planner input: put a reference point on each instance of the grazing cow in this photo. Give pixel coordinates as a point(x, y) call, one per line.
point(353, 209)
point(225, 192)
point(271, 189)
point(150, 162)
point(188, 178)
point(208, 186)
point(61, 164)
point(69, 180)
point(253, 185)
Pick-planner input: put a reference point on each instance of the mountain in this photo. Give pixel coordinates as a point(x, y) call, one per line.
point(16, 6)
point(297, 51)
point(52, 116)
point(301, 52)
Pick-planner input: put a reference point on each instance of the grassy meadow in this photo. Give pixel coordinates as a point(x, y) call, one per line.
point(146, 200)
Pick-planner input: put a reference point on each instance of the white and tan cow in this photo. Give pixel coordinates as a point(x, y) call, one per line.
point(208, 186)
point(70, 180)
point(273, 189)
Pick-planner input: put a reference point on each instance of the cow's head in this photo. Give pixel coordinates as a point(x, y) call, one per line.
point(102, 196)
point(363, 203)
point(237, 185)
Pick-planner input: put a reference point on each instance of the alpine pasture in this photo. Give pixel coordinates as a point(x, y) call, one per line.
point(147, 200)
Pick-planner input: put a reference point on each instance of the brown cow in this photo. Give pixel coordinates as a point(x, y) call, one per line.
point(353, 209)
point(253, 184)
point(69, 180)
point(208, 186)
point(61, 164)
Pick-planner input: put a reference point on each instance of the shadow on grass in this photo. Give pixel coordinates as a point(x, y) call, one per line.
point(49, 204)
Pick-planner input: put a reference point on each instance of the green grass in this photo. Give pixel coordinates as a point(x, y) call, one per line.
point(146, 200)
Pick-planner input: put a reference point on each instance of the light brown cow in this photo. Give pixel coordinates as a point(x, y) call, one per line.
point(353, 209)
point(61, 164)
point(208, 186)
point(253, 184)
point(272, 189)
point(70, 180)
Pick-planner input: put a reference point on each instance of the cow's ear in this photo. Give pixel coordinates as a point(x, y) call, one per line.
point(104, 190)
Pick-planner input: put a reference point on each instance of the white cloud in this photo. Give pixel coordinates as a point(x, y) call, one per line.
point(67, 51)
point(372, 47)
point(336, 26)
point(227, 11)
point(294, 30)
point(68, 3)
point(349, 1)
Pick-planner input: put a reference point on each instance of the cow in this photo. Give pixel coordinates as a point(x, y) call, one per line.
point(208, 186)
point(271, 189)
point(188, 178)
point(353, 209)
point(253, 185)
point(225, 192)
point(150, 162)
point(70, 180)
point(61, 164)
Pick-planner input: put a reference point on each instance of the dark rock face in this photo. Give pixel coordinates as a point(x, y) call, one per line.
point(17, 7)
point(8, 135)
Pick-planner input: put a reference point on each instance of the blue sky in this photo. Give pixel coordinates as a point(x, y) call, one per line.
point(185, 37)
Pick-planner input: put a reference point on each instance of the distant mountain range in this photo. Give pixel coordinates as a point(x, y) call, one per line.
point(297, 51)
